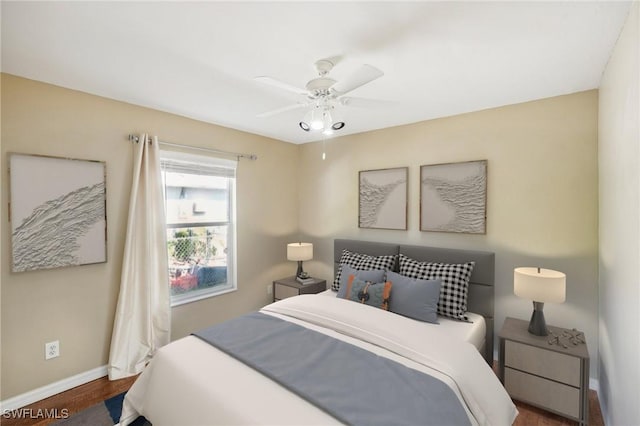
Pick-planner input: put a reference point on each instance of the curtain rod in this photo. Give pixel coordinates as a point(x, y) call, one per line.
point(134, 138)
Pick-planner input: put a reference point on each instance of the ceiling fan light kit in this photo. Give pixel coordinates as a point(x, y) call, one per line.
point(320, 118)
point(323, 94)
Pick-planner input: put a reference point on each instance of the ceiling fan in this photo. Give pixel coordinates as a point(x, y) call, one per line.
point(322, 94)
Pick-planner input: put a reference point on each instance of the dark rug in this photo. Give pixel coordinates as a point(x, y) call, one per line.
point(106, 413)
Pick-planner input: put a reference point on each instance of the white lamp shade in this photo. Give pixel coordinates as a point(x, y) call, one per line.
point(539, 285)
point(299, 251)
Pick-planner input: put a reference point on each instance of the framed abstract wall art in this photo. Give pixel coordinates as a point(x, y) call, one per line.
point(383, 199)
point(57, 212)
point(453, 197)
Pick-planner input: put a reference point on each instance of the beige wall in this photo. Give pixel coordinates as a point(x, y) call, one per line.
point(76, 305)
point(542, 195)
point(619, 162)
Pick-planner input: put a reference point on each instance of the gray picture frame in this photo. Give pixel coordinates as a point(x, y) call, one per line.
point(453, 197)
point(382, 198)
point(57, 211)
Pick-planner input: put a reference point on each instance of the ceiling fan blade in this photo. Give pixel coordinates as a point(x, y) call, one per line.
point(280, 84)
point(364, 75)
point(280, 110)
point(351, 101)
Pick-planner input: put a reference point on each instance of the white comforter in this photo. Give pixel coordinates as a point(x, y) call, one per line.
point(189, 382)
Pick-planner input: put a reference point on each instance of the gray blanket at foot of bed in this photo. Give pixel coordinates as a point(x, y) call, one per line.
point(353, 385)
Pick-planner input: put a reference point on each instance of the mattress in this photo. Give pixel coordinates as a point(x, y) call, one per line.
point(473, 331)
point(190, 382)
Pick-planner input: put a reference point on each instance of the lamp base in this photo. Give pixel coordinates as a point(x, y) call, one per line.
point(300, 272)
point(538, 325)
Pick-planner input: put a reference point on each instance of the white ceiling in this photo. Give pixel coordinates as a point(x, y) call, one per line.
point(199, 59)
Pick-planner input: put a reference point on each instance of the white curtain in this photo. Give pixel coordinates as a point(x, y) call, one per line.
point(143, 316)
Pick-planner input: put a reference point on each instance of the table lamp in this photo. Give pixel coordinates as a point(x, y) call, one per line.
point(539, 285)
point(300, 252)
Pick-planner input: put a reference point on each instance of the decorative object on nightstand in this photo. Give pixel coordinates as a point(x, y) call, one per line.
point(305, 281)
point(568, 337)
point(300, 252)
point(289, 287)
point(539, 285)
point(550, 376)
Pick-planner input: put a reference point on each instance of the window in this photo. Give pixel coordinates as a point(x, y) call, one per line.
point(199, 196)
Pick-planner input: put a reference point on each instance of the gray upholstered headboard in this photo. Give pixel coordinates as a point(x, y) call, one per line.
point(481, 291)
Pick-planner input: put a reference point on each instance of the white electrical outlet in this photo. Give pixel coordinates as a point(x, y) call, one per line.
point(52, 349)
point(269, 290)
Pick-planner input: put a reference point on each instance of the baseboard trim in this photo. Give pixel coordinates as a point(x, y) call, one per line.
point(38, 394)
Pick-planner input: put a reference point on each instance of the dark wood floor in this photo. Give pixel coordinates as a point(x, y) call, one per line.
point(69, 402)
point(532, 416)
point(84, 396)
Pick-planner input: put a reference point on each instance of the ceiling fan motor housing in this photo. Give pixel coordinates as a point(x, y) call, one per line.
point(320, 85)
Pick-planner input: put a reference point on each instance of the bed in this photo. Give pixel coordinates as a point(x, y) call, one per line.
point(193, 382)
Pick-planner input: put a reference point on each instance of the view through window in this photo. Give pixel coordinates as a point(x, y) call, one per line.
point(200, 217)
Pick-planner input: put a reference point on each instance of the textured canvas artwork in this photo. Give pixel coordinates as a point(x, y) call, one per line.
point(58, 212)
point(453, 197)
point(383, 199)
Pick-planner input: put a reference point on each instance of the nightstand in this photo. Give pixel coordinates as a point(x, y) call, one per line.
point(289, 287)
point(548, 376)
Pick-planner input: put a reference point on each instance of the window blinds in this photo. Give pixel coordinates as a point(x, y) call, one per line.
point(180, 162)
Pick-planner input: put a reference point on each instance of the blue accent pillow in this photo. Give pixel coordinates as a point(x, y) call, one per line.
point(367, 293)
point(414, 298)
point(373, 275)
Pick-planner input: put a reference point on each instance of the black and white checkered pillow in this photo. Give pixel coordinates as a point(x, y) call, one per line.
point(455, 283)
point(362, 262)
